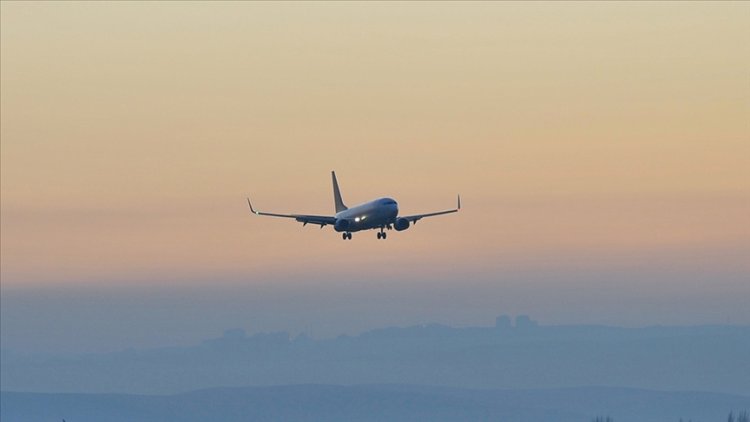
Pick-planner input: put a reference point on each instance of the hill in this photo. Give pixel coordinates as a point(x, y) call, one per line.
point(374, 402)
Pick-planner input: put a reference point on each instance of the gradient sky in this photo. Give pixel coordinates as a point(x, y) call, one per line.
point(591, 142)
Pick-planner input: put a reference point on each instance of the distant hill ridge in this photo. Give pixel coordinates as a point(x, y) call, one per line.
point(530, 356)
point(375, 402)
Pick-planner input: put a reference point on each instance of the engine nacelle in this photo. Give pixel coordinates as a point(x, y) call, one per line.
point(401, 224)
point(341, 225)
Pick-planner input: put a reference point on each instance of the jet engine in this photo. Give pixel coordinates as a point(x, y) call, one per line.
point(341, 225)
point(401, 224)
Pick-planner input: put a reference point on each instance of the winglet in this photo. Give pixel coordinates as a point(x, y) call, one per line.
point(251, 207)
point(459, 202)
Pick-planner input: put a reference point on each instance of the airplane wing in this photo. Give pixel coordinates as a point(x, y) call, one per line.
point(417, 217)
point(320, 220)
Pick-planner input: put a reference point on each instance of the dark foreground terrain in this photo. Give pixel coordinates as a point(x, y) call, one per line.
point(375, 402)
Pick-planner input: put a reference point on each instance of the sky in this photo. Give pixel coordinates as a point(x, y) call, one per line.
point(601, 150)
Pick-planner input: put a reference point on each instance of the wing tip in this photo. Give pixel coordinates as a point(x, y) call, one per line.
point(251, 207)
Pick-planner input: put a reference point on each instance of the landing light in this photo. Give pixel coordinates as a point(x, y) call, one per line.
point(356, 219)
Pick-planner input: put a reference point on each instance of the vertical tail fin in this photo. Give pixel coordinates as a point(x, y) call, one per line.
point(337, 194)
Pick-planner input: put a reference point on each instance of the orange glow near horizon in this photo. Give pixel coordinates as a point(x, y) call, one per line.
point(578, 135)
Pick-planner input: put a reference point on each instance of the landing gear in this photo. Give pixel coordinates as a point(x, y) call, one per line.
point(381, 234)
point(346, 236)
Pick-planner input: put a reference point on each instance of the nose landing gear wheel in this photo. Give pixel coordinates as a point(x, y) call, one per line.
point(380, 235)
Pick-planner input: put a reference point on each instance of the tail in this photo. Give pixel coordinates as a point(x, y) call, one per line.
point(337, 194)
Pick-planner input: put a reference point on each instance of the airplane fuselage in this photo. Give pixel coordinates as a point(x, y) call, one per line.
point(370, 215)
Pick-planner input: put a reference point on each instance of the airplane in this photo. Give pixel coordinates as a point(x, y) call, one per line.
point(379, 214)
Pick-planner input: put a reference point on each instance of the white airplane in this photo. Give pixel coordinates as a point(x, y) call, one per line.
point(379, 214)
